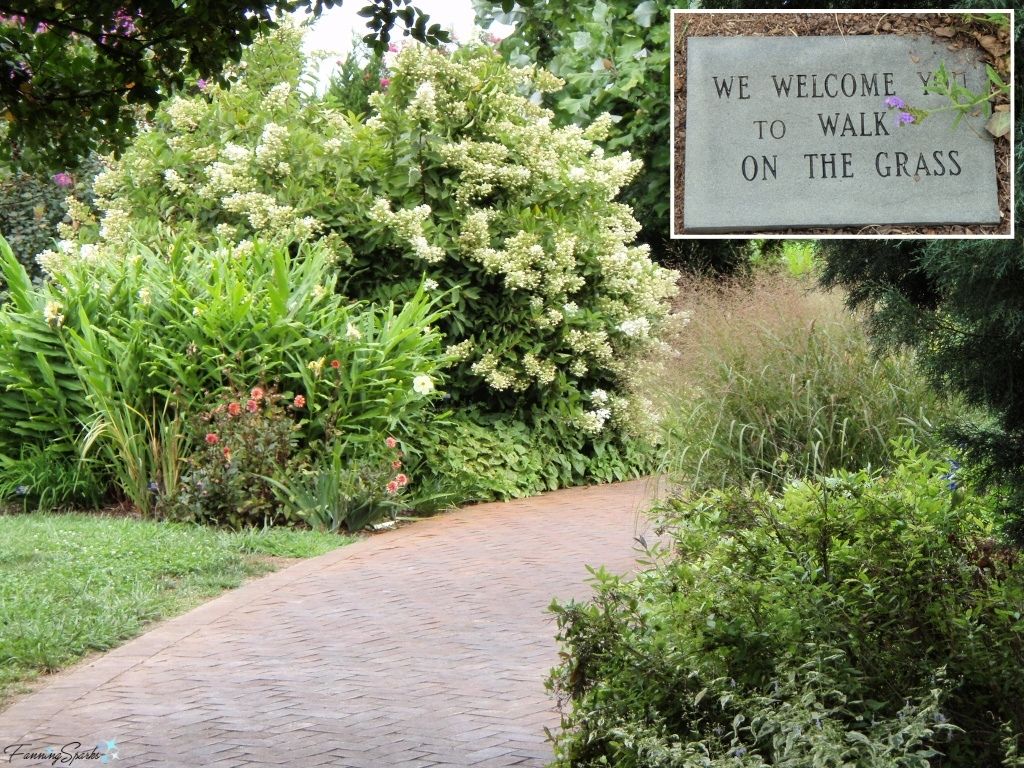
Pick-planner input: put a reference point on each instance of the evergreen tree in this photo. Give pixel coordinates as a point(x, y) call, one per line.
point(960, 304)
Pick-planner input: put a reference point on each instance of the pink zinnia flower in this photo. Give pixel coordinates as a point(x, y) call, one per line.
point(392, 487)
point(256, 393)
point(299, 401)
point(385, 82)
point(402, 480)
point(252, 406)
point(227, 453)
point(396, 464)
point(335, 364)
point(234, 409)
point(211, 438)
point(390, 442)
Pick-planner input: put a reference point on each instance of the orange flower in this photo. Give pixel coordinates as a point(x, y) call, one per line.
point(234, 409)
point(211, 438)
point(335, 364)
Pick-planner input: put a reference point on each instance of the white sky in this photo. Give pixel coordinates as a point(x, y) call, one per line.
point(335, 28)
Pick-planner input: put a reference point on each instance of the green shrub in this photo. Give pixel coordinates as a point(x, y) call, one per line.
point(242, 445)
point(116, 351)
point(33, 208)
point(861, 619)
point(49, 477)
point(345, 490)
point(775, 380)
point(456, 181)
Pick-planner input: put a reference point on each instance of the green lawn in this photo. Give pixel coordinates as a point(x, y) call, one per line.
point(73, 583)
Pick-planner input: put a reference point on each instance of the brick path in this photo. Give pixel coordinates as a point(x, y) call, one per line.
point(426, 646)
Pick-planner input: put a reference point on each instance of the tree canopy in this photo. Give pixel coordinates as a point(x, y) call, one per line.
point(75, 77)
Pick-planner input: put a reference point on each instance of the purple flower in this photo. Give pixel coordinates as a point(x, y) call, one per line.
point(124, 23)
point(63, 179)
point(201, 84)
point(903, 118)
point(895, 101)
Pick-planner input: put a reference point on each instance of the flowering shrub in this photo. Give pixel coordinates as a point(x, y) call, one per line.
point(115, 348)
point(457, 181)
point(242, 444)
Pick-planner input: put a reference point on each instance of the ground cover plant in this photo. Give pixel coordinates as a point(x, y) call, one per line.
point(863, 619)
point(77, 583)
point(772, 379)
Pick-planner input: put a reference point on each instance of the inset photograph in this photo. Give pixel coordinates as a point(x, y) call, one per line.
point(849, 124)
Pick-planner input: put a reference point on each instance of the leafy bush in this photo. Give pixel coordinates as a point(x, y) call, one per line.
point(48, 477)
point(242, 445)
point(457, 181)
point(773, 381)
point(115, 352)
point(860, 619)
point(348, 491)
point(34, 208)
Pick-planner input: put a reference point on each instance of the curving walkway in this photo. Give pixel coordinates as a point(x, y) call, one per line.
point(426, 646)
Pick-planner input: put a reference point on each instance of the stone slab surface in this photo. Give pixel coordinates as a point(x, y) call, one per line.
point(425, 646)
point(829, 153)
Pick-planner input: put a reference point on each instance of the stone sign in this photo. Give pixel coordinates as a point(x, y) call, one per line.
point(788, 132)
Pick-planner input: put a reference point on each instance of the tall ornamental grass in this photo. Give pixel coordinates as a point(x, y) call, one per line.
point(774, 379)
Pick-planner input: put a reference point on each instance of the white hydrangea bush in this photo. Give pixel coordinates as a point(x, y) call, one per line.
point(487, 194)
point(457, 182)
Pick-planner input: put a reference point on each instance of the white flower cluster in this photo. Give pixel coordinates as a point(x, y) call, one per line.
point(593, 421)
point(270, 149)
point(68, 252)
point(636, 327)
point(600, 128)
point(277, 99)
point(544, 371)
point(459, 352)
point(115, 226)
point(423, 105)
point(497, 377)
point(483, 167)
point(262, 211)
point(186, 113)
point(593, 343)
point(407, 226)
point(79, 215)
point(226, 179)
point(175, 183)
point(52, 313)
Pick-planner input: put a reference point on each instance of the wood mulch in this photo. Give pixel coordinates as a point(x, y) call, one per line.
point(993, 47)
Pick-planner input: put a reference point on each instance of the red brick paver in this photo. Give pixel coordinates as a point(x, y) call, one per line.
point(426, 646)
